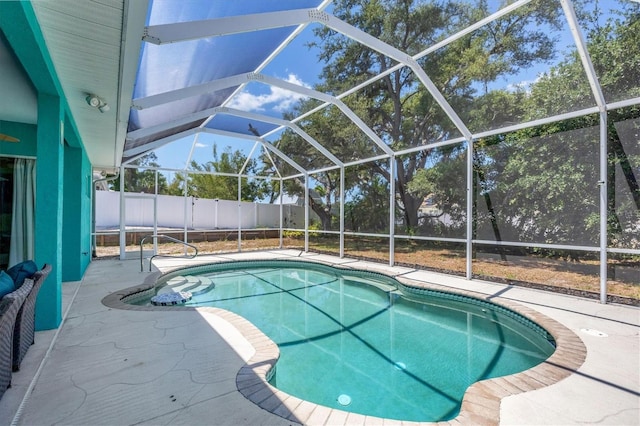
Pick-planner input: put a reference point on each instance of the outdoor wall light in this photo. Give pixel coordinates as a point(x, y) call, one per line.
point(96, 102)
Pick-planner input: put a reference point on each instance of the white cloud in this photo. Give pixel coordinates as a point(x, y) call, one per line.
point(201, 145)
point(523, 85)
point(276, 99)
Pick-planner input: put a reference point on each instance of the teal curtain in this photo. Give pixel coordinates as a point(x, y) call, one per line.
point(23, 217)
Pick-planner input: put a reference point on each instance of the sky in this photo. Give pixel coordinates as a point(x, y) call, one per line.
point(264, 99)
point(257, 97)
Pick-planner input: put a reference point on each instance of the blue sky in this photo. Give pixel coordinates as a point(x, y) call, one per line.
point(299, 65)
point(257, 97)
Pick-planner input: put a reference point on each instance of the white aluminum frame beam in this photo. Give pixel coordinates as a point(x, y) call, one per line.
point(587, 64)
point(194, 30)
point(143, 149)
point(273, 163)
point(193, 147)
point(248, 159)
point(180, 121)
point(135, 15)
point(225, 83)
point(264, 143)
point(581, 47)
point(504, 11)
point(240, 79)
point(277, 51)
point(220, 110)
point(186, 92)
point(402, 57)
point(284, 123)
point(172, 33)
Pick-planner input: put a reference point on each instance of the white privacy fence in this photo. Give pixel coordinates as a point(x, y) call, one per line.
point(198, 213)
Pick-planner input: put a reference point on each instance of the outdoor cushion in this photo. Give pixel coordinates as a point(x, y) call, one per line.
point(6, 284)
point(24, 330)
point(21, 271)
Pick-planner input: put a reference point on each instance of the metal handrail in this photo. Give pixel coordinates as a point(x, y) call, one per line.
point(165, 255)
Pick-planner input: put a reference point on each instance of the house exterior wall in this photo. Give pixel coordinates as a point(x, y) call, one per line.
point(76, 222)
point(27, 133)
point(60, 184)
point(48, 212)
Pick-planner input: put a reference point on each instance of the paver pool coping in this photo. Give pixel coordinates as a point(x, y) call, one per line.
point(481, 401)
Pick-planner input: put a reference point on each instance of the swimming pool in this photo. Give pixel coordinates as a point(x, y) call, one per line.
point(365, 343)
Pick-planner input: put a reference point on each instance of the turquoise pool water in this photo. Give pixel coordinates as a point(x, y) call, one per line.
point(374, 348)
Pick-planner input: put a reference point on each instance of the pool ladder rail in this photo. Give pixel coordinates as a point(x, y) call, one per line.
point(166, 237)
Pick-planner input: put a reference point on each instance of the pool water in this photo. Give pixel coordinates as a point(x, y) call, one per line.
point(373, 349)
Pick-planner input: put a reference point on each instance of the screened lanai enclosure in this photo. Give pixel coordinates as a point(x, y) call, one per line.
point(486, 138)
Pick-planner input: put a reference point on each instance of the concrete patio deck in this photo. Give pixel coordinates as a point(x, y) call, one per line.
point(118, 367)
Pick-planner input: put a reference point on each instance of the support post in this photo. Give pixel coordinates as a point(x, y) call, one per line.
point(341, 211)
point(469, 248)
point(49, 201)
point(155, 211)
point(239, 213)
point(186, 209)
point(603, 206)
point(392, 210)
point(306, 212)
point(123, 221)
point(281, 213)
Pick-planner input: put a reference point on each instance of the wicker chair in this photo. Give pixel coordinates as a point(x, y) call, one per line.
point(10, 304)
point(24, 331)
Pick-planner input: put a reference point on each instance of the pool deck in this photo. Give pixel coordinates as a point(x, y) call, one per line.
point(113, 366)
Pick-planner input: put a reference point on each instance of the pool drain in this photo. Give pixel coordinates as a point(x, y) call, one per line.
point(400, 366)
point(593, 332)
point(344, 399)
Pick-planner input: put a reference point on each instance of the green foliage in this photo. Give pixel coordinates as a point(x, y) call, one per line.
point(343, 139)
point(368, 207)
point(398, 107)
point(293, 234)
point(314, 226)
point(546, 200)
point(538, 184)
point(216, 179)
point(423, 183)
point(141, 179)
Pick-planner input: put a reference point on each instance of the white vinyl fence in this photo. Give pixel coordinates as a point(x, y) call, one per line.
point(201, 214)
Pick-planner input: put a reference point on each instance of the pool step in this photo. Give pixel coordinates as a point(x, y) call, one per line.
point(180, 283)
point(193, 284)
point(205, 285)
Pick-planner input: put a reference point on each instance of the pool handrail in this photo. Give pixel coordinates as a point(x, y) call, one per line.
point(156, 236)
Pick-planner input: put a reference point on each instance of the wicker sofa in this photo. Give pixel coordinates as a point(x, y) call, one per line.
point(24, 331)
point(10, 305)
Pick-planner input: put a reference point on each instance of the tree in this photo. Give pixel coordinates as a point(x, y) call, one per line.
point(342, 139)
point(367, 208)
point(540, 184)
point(217, 179)
point(141, 179)
point(398, 107)
point(571, 184)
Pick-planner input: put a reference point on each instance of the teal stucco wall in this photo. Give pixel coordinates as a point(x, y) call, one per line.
point(63, 171)
point(49, 195)
point(27, 133)
point(76, 225)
